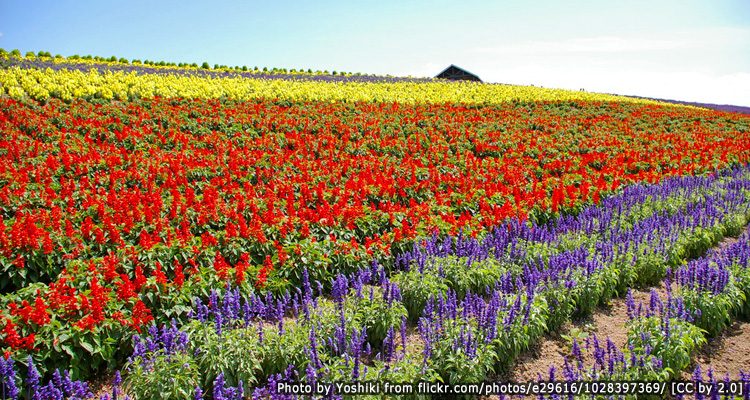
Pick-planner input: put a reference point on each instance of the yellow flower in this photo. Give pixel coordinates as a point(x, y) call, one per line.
point(67, 84)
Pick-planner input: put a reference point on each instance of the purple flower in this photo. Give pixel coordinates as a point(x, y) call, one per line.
point(630, 302)
point(8, 378)
point(32, 380)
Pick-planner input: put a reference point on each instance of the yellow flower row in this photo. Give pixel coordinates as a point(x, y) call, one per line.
point(65, 84)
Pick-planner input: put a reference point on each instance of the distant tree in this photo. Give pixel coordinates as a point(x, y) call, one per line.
point(74, 57)
point(244, 67)
point(15, 52)
point(30, 54)
point(123, 60)
point(205, 65)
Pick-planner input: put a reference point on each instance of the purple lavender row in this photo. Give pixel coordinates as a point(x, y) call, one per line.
point(717, 383)
point(662, 239)
point(203, 73)
point(335, 336)
point(603, 220)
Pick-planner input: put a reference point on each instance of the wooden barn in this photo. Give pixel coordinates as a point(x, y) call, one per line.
point(455, 73)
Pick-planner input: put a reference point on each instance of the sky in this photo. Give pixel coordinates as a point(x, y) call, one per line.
point(692, 50)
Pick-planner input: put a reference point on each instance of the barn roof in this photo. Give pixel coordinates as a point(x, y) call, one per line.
point(457, 74)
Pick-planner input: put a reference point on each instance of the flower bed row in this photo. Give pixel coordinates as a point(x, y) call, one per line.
point(361, 332)
point(128, 83)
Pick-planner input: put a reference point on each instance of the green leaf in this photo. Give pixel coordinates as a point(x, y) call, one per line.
point(87, 346)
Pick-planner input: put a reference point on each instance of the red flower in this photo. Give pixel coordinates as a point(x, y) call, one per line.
point(179, 276)
point(161, 278)
point(240, 268)
point(39, 315)
point(141, 316)
point(221, 266)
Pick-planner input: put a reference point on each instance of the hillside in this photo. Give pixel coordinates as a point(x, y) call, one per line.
point(221, 231)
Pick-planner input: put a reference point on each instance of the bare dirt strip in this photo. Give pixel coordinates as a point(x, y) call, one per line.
point(608, 321)
point(728, 353)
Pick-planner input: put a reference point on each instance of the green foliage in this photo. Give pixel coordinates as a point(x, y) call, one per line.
point(463, 278)
point(169, 377)
point(237, 353)
point(416, 290)
point(649, 267)
point(521, 334)
point(452, 363)
point(713, 312)
point(375, 315)
point(558, 305)
point(594, 289)
point(674, 346)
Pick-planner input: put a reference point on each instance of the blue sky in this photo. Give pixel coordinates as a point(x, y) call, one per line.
point(683, 49)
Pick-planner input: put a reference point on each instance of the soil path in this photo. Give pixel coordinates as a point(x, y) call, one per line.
point(726, 353)
point(605, 322)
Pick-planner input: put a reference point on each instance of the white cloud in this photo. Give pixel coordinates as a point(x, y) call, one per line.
point(686, 39)
point(602, 44)
point(699, 86)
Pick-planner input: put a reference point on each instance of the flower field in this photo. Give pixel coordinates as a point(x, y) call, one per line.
point(211, 235)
